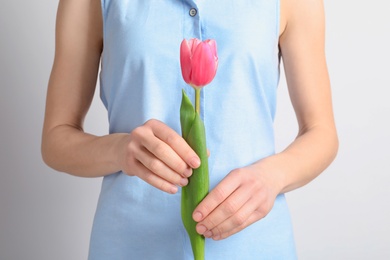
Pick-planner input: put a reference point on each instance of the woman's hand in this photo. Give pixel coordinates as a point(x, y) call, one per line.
point(243, 197)
point(153, 152)
point(158, 155)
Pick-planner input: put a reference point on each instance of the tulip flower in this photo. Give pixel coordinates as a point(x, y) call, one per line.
point(199, 63)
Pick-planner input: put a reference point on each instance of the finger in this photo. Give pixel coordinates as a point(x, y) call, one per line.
point(223, 190)
point(178, 144)
point(167, 155)
point(230, 207)
point(154, 180)
point(157, 167)
point(254, 217)
point(236, 220)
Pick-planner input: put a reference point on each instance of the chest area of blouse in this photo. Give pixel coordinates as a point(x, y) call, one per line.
point(148, 28)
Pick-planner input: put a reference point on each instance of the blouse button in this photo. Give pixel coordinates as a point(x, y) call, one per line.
point(193, 12)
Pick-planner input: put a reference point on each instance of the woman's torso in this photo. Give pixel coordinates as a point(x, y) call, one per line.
point(141, 80)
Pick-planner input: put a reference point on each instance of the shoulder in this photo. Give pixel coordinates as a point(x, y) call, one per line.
point(80, 16)
point(300, 12)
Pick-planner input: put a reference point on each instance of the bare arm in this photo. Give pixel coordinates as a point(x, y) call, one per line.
point(303, 52)
point(65, 146)
point(153, 151)
point(246, 195)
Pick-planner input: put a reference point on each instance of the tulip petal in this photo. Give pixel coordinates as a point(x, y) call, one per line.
point(194, 42)
point(185, 60)
point(203, 65)
point(213, 46)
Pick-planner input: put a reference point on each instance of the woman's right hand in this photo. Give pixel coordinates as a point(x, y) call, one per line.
point(158, 155)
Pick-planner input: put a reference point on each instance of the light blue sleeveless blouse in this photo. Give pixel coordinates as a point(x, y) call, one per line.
point(141, 79)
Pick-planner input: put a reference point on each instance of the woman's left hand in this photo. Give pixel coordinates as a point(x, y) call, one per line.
point(243, 197)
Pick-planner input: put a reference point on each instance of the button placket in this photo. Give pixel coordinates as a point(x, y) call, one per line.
point(191, 20)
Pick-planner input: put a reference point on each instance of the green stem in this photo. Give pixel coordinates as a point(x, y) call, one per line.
point(197, 100)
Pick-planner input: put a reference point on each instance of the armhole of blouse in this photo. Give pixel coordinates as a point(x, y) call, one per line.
point(278, 17)
point(277, 29)
point(103, 98)
point(103, 8)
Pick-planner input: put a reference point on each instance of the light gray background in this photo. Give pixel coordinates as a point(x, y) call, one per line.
point(344, 214)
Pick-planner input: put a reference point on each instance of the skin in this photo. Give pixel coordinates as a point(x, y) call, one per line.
point(160, 156)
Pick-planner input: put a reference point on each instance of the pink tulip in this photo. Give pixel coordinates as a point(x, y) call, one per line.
point(198, 61)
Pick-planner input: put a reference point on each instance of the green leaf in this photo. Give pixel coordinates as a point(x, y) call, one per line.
point(193, 131)
point(187, 114)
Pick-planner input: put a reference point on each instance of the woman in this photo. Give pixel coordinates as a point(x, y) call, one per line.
point(144, 159)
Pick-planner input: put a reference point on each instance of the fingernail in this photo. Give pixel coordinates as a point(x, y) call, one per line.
point(195, 162)
point(188, 172)
point(201, 229)
point(183, 182)
point(197, 216)
point(208, 234)
point(174, 189)
point(216, 237)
